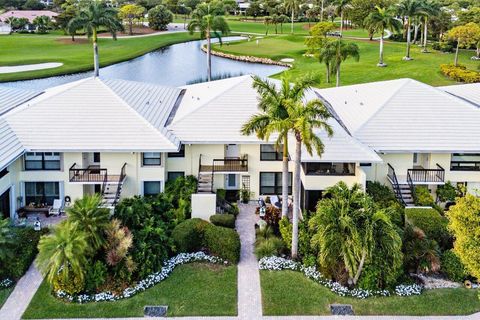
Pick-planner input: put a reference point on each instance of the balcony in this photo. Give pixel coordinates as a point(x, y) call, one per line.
point(91, 175)
point(421, 176)
point(226, 165)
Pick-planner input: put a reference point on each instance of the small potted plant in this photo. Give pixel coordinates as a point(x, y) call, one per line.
point(245, 195)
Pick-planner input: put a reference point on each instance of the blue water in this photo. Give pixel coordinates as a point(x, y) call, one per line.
point(175, 65)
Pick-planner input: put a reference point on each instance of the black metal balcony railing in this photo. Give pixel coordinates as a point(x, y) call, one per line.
point(89, 174)
point(427, 175)
point(227, 165)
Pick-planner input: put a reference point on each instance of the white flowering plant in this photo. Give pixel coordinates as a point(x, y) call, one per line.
point(278, 263)
point(6, 283)
point(144, 284)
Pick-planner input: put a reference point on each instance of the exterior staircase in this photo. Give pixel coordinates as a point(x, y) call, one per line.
point(111, 190)
point(406, 195)
point(205, 182)
point(404, 192)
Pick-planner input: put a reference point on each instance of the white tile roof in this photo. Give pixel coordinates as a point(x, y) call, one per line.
point(406, 116)
point(12, 97)
point(469, 92)
point(10, 146)
point(85, 116)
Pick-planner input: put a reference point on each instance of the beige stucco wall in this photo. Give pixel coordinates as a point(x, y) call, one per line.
point(311, 182)
point(401, 162)
point(204, 205)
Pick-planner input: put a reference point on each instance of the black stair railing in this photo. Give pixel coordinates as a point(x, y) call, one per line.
point(396, 187)
point(120, 183)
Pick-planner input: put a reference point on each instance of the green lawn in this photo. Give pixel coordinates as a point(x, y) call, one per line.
point(194, 289)
point(4, 293)
point(291, 293)
point(76, 56)
point(424, 67)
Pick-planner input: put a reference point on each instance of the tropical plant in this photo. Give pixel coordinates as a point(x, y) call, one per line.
point(267, 21)
point(292, 6)
point(159, 17)
point(91, 18)
point(6, 241)
point(42, 23)
point(348, 230)
point(88, 217)
point(62, 257)
point(318, 36)
point(207, 19)
point(465, 36)
point(421, 254)
point(380, 20)
point(410, 9)
point(446, 192)
point(340, 7)
point(430, 8)
point(333, 53)
point(464, 223)
point(130, 12)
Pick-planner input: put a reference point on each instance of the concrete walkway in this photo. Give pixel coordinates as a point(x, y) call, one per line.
point(249, 292)
point(21, 296)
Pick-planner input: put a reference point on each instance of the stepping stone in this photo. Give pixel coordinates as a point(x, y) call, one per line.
point(341, 309)
point(155, 311)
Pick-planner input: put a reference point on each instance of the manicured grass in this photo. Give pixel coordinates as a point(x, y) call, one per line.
point(194, 289)
point(425, 67)
point(4, 293)
point(76, 56)
point(290, 293)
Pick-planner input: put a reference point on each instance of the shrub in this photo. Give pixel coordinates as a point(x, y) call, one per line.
point(234, 210)
point(423, 196)
point(95, 276)
point(188, 236)
point(223, 242)
point(272, 246)
point(159, 17)
point(272, 217)
point(179, 192)
point(381, 194)
point(221, 194)
point(452, 267)
point(443, 46)
point(432, 223)
point(223, 220)
point(460, 73)
point(420, 253)
point(446, 192)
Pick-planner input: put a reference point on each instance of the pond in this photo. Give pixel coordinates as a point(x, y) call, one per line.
point(175, 65)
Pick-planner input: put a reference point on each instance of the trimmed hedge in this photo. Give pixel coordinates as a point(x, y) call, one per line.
point(223, 220)
point(188, 235)
point(460, 73)
point(432, 223)
point(223, 242)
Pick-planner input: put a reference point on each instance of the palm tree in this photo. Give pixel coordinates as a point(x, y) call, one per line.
point(343, 50)
point(62, 255)
point(91, 18)
point(6, 240)
point(305, 120)
point(292, 5)
point(327, 55)
point(409, 9)
point(380, 20)
point(430, 8)
point(90, 218)
point(271, 120)
point(207, 21)
point(340, 7)
point(348, 229)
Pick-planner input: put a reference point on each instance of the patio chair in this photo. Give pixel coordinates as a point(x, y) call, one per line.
point(275, 200)
point(55, 210)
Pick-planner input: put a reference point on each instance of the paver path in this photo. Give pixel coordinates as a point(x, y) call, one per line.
point(249, 292)
point(21, 296)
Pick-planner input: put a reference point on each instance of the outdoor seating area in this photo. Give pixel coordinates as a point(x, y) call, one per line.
point(46, 215)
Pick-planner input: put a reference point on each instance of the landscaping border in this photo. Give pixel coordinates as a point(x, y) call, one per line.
point(144, 284)
point(274, 263)
point(250, 59)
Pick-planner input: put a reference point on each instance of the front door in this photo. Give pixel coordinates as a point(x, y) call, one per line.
point(231, 181)
point(421, 160)
point(232, 151)
point(5, 205)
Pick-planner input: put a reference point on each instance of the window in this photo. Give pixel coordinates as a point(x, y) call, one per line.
point(179, 154)
point(151, 158)
point(271, 183)
point(365, 164)
point(96, 157)
point(41, 192)
point(465, 162)
point(329, 168)
point(42, 161)
point(269, 153)
point(173, 175)
point(151, 188)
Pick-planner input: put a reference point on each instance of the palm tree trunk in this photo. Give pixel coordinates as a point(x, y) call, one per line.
point(456, 53)
point(296, 195)
point(415, 33)
point(131, 27)
point(209, 58)
point(360, 267)
point(328, 72)
point(425, 35)
point(338, 74)
point(285, 177)
point(409, 36)
point(380, 63)
point(321, 11)
point(293, 13)
point(341, 23)
point(96, 64)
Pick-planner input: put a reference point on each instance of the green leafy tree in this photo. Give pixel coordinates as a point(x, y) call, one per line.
point(410, 9)
point(130, 12)
point(87, 215)
point(327, 54)
point(380, 20)
point(464, 223)
point(91, 18)
point(62, 257)
point(6, 241)
point(348, 230)
point(68, 12)
point(42, 23)
point(207, 19)
point(159, 17)
point(465, 36)
point(338, 51)
point(267, 21)
point(33, 5)
point(318, 36)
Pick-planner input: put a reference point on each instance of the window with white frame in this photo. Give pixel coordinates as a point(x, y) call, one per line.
point(268, 152)
point(41, 192)
point(42, 161)
point(151, 158)
point(271, 183)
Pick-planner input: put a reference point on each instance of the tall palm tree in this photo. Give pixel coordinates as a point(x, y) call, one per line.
point(89, 217)
point(340, 7)
point(327, 55)
point(208, 20)
point(430, 8)
point(380, 20)
point(409, 9)
point(91, 18)
point(62, 255)
point(292, 6)
point(343, 50)
point(6, 240)
point(273, 103)
point(305, 120)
